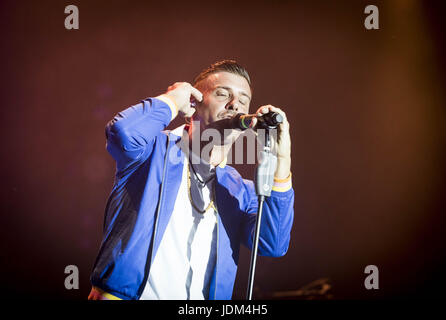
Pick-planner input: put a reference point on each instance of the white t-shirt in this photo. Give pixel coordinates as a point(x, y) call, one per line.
point(184, 263)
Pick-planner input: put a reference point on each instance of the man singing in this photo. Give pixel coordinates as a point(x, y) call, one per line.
point(176, 217)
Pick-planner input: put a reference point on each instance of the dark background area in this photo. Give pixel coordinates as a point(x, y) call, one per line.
point(367, 117)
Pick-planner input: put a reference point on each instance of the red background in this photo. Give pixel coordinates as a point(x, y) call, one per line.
point(366, 109)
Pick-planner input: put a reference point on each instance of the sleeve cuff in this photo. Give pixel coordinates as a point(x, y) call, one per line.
point(171, 103)
point(282, 185)
point(105, 295)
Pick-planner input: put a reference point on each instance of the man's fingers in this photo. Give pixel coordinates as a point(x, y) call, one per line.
point(269, 108)
point(253, 122)
point(190, 112)
point(197, 94)
point(284, 126)
point(262, 110)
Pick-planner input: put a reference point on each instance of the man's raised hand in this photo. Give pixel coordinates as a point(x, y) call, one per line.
point(181, 93)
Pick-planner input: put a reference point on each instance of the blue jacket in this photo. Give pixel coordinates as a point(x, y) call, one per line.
point(149, 167)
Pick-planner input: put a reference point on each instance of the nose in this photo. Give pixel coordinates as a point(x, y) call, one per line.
point(233, 106)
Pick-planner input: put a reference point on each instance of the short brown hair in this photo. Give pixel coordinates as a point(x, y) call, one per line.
point(224, 65)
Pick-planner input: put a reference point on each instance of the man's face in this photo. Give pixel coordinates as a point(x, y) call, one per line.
point(224, 94)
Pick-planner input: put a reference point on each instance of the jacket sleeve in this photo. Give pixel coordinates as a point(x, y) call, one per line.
point(131, 133)
point(277, 220)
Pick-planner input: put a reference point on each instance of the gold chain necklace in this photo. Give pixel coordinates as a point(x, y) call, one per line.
point(211, 203)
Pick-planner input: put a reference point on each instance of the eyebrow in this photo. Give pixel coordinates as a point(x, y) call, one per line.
point(228, 88)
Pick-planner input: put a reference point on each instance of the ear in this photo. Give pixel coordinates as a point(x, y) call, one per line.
point(194, 103)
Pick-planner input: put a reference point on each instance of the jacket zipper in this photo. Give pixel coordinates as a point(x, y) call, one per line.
point(155, 228)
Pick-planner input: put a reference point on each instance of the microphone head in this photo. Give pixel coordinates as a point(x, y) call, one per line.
point(271, 120)
point(276, 118)
point(245, 121)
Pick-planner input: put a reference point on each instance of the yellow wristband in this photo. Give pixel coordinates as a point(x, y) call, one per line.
point(282, 185)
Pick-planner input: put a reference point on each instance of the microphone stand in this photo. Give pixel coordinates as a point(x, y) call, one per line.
point(264, 178)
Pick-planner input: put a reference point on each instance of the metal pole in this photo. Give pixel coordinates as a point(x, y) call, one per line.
point(263, 183)
point(255, 245)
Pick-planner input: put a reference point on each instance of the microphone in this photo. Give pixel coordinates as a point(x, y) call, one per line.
point(269, 120)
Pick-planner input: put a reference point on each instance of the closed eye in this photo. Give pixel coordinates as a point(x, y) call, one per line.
point(221, 93)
